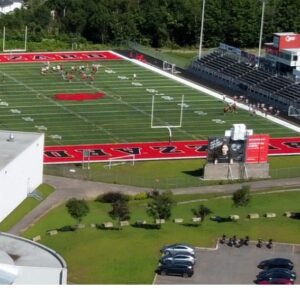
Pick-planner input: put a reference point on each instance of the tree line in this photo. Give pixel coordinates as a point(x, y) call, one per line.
point(157, 23)
point(159, 206)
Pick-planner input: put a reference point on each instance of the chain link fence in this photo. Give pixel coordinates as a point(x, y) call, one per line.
point(83, 173)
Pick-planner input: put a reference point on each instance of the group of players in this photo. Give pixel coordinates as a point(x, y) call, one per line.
point(85, 72)
point(253, 107)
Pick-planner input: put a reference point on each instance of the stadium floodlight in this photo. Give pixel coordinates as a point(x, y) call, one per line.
point(261, 29)
point(15, 49)
point(201, 30)
point(168, 126)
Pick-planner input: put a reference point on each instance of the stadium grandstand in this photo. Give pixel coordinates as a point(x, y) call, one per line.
point(272, 81)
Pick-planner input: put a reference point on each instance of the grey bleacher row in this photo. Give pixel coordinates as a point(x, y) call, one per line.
point(248, 79)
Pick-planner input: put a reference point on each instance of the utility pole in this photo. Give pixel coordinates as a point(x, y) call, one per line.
point(201, 30)
point(261, 29)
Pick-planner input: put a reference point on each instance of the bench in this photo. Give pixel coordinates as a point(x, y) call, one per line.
point(178, 220)
point(160, 221)
point(80, 226)
point(270, 215)
point(196, 219)
point(140, 222)
point(36, 238)
point(108, 225)
point(124, 223)
point(234, 217)
point(253, 216)
point(52, 232)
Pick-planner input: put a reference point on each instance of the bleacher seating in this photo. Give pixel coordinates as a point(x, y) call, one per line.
point(247, 78)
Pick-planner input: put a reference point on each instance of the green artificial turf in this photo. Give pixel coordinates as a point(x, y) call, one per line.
point(124, 115)
point(129, 256)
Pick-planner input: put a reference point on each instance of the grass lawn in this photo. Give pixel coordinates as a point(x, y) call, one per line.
point(165, 174)
point(129, 256)
point(25, 207)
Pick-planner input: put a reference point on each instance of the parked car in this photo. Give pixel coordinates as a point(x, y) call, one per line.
point(175, 248)
point(275, 281)
point(276, 263)
point(176, 268)
point(178, 257)
point(277, 273)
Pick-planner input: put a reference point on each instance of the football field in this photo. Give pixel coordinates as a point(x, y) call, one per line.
point(29, 103)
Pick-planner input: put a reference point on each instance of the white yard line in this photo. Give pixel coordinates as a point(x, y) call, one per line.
point(205, 90)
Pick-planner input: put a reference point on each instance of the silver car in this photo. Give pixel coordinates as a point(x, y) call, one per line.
point(175, 248)
point(182, 257)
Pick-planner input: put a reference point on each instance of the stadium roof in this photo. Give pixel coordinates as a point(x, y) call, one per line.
point(23, 261)
point(12, 143)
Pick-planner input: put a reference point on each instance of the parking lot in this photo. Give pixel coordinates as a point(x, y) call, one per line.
point(231, 265)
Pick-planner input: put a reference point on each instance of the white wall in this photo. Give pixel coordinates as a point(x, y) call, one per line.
point(21, 176)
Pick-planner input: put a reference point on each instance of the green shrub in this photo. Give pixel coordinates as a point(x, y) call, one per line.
point(141, 196)
point(111, 197)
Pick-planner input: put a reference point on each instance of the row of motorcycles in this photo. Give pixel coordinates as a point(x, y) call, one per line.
point(234, 241)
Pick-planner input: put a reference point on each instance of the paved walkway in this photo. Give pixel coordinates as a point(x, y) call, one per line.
point(66, 188)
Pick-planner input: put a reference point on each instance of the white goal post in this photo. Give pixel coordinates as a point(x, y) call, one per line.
point(167, 126)
point(120, 160)
point(16, 49)
point(167, 66)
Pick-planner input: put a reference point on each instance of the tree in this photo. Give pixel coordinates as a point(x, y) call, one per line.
point(77, 208)
point(120, 210)
point(161, 205)
point(201, 212)
point(242, 196)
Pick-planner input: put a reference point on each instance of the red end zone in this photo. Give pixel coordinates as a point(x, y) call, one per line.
point(57, 56)
point(151, 151)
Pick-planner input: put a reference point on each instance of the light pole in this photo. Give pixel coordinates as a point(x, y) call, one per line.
point(261, 29)
point(201, 30)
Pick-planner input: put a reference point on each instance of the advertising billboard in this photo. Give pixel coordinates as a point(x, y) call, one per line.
point(257, 148)
point(225, 150)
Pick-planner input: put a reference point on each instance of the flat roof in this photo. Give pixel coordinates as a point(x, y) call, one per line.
point(12, 143)
point(23, 261)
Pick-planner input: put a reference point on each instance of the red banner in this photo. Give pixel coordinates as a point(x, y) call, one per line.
point(257, 148)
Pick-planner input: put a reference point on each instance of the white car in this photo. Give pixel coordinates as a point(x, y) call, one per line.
point(175, 248)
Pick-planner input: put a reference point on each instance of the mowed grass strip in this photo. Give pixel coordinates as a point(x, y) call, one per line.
point(130, 256)
point(124, 115)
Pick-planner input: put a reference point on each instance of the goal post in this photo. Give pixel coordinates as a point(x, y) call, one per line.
point(167, 66)
point(11, 50)
point(120, 160)
point(294, 111)
point(167, 125)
